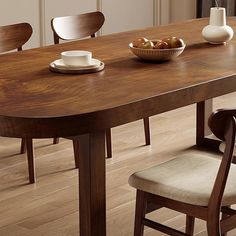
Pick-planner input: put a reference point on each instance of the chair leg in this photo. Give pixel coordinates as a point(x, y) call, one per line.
point(76, 152)
point(190, 225)
point(30, 156)
point(223, 217)
point(213, 225)
point(23, 146)
point(147, 130)
point(108, 143)
point(140, 211)
point(55, 140)
point(225, 234)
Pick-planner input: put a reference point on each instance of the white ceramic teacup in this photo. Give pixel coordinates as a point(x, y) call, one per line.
point(76, 58)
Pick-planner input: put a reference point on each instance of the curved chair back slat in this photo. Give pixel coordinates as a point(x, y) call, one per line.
point(225, 122)
point(217, 121)
point(76, 27)
point(14, 36)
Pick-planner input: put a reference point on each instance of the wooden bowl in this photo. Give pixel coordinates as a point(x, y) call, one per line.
point(156, 54)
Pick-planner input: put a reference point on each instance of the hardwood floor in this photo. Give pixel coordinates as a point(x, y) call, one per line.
point(50, 207)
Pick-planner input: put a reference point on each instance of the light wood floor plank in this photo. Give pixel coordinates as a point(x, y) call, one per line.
point(50, 207)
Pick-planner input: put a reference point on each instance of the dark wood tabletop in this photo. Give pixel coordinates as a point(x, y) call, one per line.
point(29, 90)
point(37, 103)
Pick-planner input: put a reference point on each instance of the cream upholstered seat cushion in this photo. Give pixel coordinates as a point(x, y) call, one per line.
point(222, 148)
point(188, 179)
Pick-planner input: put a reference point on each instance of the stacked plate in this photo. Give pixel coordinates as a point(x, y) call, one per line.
point(76, 62)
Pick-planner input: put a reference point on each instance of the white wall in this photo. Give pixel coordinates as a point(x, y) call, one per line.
point(16, 11)
point(120, 15)
point(126, 15)
point(63, 8)
point(182, 10)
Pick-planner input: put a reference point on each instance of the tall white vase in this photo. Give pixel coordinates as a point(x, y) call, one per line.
point(217, 32)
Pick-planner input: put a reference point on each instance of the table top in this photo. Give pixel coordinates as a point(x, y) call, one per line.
point(32, 97)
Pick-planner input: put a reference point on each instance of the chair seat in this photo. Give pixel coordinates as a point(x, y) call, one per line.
point(222, 148)
point(187, 179)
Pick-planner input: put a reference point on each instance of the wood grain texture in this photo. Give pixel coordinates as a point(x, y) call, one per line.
point(76, 27)
point(31, 161)
point(55, 100)
point(221, 117)
point(14, 36)
point(53, 105)
point(223, 125)
point(50, 207)
point(92, 182)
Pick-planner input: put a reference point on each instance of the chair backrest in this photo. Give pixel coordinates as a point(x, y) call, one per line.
point(14, 36)
point(223, 125)
point(76, 27)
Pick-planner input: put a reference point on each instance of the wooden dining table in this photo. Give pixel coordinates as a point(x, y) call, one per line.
point(38, 103)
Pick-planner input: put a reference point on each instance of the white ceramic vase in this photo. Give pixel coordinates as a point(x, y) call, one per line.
point(217, 32)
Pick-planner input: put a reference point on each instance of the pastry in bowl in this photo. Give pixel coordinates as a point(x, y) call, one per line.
point(159, 49)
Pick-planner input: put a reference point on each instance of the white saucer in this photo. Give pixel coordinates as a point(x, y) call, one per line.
point(60, 65)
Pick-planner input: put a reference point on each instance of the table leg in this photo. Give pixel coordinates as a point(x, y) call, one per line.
point(204, 110)
point(92, 184)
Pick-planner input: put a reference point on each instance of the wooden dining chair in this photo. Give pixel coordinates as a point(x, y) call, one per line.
point(77, 27)
point(82, 26)
point(13, 37)
point(196, 185)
